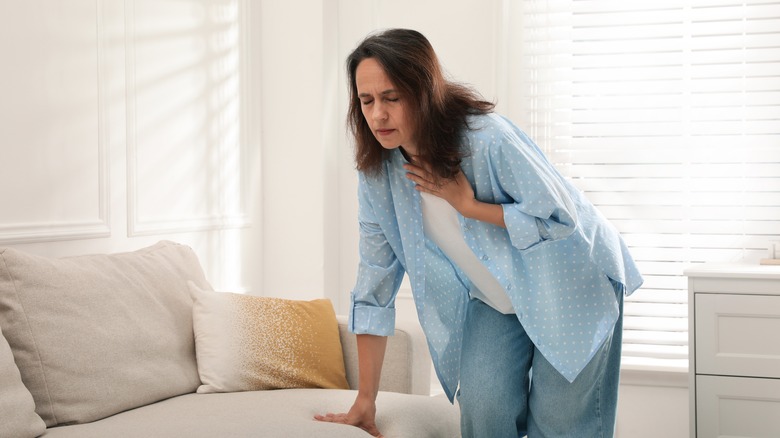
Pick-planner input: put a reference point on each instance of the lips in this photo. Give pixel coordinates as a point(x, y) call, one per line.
point(384, 131)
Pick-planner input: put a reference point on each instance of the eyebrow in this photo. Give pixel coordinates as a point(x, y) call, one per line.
point(384, 93)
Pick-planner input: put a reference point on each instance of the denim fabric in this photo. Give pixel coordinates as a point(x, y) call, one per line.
point(508, 389)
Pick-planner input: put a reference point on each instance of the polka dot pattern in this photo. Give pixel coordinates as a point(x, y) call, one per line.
point(555, 259)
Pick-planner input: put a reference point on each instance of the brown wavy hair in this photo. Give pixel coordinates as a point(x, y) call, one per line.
point(439, 107)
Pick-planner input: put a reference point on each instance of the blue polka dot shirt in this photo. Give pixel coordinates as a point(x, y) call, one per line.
point(555, 258)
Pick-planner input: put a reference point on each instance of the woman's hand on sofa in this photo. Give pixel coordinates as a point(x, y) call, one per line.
point(362, 415)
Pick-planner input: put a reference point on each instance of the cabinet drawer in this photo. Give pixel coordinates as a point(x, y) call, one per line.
point(737, 407)
point(737, 335)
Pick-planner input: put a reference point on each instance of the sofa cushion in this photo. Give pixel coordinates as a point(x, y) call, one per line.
point(98, 334)
point(246, 342)
point(17, 409)
point(283, 413)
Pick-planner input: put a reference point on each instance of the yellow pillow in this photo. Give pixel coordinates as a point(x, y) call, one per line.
point(249, 343)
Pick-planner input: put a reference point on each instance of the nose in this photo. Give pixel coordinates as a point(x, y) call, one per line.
point(378, 111)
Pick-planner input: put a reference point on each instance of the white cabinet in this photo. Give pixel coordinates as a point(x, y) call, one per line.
point(734, 323)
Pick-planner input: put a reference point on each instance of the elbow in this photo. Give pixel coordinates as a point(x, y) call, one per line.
point(559, 225)
point(526, 232)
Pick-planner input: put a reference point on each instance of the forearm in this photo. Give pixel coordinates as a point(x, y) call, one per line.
point(371, 354)
point(362, 414)
point(482, 211)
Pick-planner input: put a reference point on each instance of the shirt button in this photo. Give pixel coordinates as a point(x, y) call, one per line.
point(508, 287)
point(485, 257)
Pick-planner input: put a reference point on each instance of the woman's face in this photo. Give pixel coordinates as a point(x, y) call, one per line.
point(383, 107)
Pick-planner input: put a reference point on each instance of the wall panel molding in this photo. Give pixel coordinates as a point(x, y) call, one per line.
point(55, 231)
point(31, 232)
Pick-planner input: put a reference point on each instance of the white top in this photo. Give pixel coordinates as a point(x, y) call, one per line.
point(440, 223)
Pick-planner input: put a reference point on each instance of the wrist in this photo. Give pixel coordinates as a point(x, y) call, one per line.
point(366, 396)
point(469, 208)
point(484, 212)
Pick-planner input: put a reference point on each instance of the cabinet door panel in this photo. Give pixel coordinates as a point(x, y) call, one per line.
point(738, 335)
point(730, 407)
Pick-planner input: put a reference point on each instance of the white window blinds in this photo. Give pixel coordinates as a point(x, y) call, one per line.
point(667, 114)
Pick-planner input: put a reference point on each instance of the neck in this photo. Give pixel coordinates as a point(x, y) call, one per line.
point(409, 154)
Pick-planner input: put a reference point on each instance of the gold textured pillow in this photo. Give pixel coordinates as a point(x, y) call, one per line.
point(249, 343)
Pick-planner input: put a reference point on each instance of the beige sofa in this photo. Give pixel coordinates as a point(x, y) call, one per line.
point(103, 346)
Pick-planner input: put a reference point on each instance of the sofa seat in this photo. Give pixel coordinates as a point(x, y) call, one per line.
point(104, 345)
point(286, 413)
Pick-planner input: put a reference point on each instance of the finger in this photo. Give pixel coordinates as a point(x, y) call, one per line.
point(417, 170)
point(422, 183)
point(417, 177)
point(332, 418)
point(423, 189)
point(371, 429)
point(328, 415)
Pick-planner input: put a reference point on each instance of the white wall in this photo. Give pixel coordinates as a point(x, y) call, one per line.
point(294, 160)
point(124, 122)
point(127, 122)
point(652, 404)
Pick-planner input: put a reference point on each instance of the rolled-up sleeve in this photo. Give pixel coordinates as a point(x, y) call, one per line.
point(542, 209)
point(379, 275)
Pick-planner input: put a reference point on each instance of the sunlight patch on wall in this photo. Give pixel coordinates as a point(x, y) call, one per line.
point(187, 156)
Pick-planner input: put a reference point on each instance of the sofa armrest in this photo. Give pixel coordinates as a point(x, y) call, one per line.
point(407, 364)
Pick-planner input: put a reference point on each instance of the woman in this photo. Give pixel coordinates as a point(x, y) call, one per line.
point(514, 273)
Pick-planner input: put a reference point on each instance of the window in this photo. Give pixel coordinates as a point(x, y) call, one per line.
point(667, 114)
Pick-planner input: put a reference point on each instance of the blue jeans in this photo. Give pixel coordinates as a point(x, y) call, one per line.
point(508, 389)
